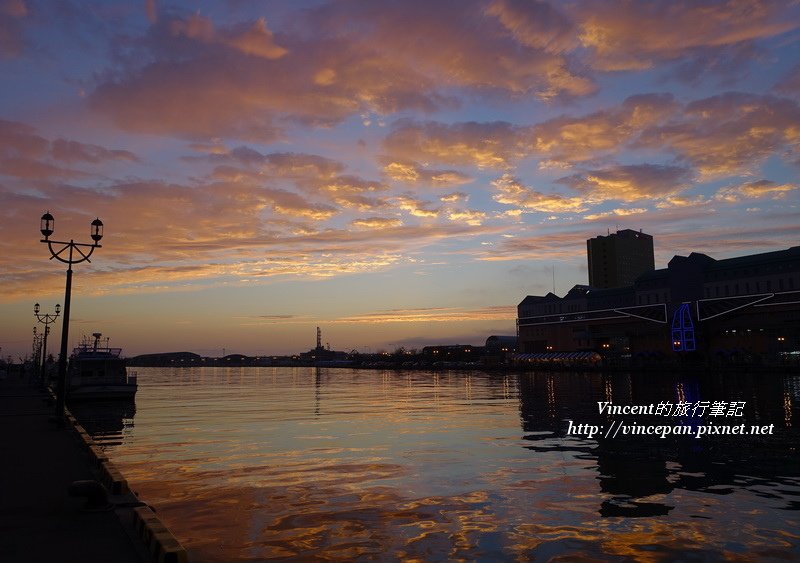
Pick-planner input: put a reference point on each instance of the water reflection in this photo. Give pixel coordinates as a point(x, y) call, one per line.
point(107, 421)
point(297, 463)
point(634, 470)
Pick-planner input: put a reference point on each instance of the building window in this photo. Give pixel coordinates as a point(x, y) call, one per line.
point(683, 330)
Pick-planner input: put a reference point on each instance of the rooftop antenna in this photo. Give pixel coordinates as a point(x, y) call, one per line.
point(554, 279)
point(319, 339)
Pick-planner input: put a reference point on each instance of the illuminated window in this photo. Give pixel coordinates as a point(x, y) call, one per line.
point(683, 330)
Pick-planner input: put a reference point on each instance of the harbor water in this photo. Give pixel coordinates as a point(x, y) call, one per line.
point(315, 463)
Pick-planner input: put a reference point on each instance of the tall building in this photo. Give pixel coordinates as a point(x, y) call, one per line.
point(618, 259)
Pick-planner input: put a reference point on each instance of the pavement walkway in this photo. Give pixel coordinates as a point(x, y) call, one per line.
point(39, 521)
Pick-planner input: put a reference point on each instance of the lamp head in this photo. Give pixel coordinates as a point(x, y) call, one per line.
point(36, 309)
point(97, 230)
point(47, 225)
point(58, 309)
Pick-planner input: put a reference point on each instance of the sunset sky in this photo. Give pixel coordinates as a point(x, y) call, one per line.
point(398, 173)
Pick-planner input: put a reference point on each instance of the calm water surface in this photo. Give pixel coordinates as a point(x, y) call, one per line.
point(304, 463)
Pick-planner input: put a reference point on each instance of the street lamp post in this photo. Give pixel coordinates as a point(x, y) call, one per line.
point(35, 351)
point(46, 319)
point(76, 255)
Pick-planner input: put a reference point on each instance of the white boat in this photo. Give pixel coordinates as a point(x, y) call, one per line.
point(97, 372)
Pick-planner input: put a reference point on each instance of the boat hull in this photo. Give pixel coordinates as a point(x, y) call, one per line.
point(102, 392)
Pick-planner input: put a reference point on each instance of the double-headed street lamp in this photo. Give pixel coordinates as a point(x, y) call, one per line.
point(46, 319)
point(76, 255)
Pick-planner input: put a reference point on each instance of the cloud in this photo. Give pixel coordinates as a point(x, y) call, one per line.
point(468, 216)
point(433, 314)
point(25, 154)
point(292, 204)
point(415, 207)
point(464, 44)
point(789, 84)
point(454, 197)
point(410, 172)
point(630, 35)
point(492, 145)
point(620, 212)
point(717, 136)
point(755, 190)
point(200, 82)
point(536, 24)
point(629, 183)
point(255, 39)
point(377, 223)
point(12, 16)
point(567, 140)
point(74, 151)
point(681, 201)
point(151, 10)
point(510, 191)
point(729, 133)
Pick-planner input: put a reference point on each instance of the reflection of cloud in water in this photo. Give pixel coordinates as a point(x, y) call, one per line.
point(411, 465)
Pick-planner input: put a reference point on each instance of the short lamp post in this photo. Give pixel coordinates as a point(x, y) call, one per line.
point(46, 319)
point(69, 253)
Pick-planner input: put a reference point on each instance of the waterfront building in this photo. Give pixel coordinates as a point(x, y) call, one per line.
point(616, 260)
point(744, 309)
point(452, 352)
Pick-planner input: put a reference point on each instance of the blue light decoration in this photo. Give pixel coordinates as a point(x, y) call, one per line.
point(683, 330)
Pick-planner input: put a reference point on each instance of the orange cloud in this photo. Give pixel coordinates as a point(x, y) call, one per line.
point(468, 216)
point(620, 212)
point(255, 39)
point(409, 172)
point(462, 44)
point(538, 25)
point(567, 140)
point(454, 197)
point(629, 183)
point(755, 190)
point(484, 145)
point(728, 134)
point(377, 223)
point(630, 35)
point(415, 207)
point(511, 192)
point(434, 314)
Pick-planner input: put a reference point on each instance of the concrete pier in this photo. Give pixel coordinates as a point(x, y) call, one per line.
point(38, 462)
